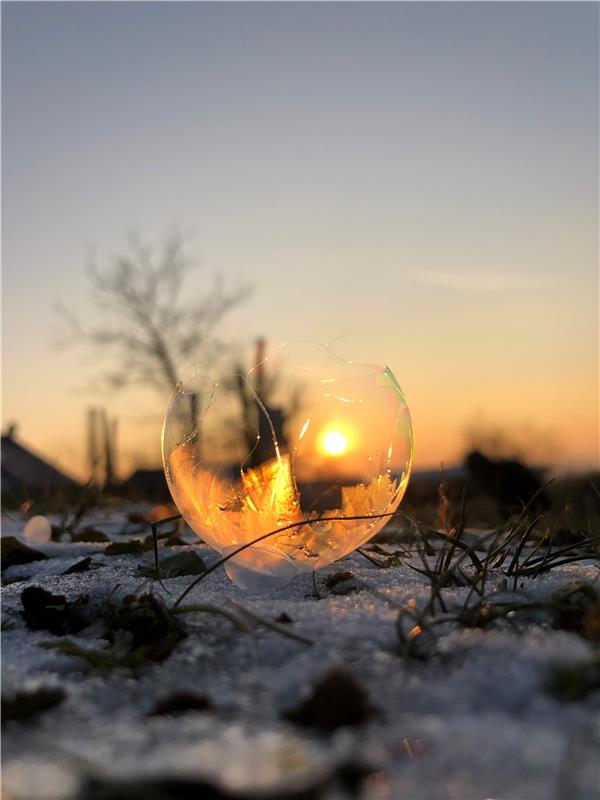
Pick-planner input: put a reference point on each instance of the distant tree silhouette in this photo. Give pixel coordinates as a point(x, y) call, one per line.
point(517, 441)
point(511, 483)
point(258, 433)
point(150, 329)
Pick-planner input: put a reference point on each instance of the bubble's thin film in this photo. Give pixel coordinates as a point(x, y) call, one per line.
point(301, 436)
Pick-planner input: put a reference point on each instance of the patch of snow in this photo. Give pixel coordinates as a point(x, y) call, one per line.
point(472, 722)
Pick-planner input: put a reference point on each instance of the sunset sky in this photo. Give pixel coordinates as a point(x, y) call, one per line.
point(422, 177)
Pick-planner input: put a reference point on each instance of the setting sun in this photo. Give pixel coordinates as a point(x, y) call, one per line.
point(334, 443)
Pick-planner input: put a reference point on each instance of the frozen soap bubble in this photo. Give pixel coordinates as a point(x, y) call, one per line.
point(306, 445)
point(38, 529)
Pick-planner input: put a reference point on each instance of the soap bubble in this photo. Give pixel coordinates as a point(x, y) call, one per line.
point(302, 444)
point(38, 529)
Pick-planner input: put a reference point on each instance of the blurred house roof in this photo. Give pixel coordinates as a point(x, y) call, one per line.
point(24, 473)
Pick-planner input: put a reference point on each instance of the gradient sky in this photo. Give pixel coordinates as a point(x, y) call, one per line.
point(423, 177)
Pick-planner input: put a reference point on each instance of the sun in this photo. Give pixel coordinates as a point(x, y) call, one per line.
point(334, 443)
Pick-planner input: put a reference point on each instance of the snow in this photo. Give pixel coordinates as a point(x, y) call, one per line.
point(472, 722)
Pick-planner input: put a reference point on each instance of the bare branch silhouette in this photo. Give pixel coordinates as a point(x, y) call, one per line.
point(148, 327)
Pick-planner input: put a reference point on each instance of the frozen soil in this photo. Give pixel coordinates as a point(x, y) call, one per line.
point(474, 720)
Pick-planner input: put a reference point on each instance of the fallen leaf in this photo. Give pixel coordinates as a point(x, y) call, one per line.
point(188, 563)
point(337, 700)
point(43, 610)
point(79, 566)
point(573, 682)
point(89, 535)
point(174, 541)
point(576, 607)
point(342, 583)
point(130, 546)
point(391, 561)
point(24, 705)
point(167, 788)
point(181, 702)
point(15, 552)
point(340, 780)
point(338, 577)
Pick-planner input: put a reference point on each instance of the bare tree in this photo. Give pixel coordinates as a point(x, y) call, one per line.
point(258, 430)
point(147, 326)
point(520, 440)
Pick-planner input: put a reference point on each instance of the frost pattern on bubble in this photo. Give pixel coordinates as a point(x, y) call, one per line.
point(302, 437)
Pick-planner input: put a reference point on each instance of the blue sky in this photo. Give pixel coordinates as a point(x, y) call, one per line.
point(421, 176)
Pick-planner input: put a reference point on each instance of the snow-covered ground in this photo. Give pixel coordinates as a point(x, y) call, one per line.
point(472, 721)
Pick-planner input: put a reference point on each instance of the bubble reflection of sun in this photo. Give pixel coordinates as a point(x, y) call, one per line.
point(334, 443)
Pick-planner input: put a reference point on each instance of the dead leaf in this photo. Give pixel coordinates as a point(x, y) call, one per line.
point(188, 563)
point(15, 552)
point(174, 541)
point(79, 566)
point(337, 577)
point(43, 610)
point(131, 546)
point(337, 700)
point(181, 702)
point(89, 535)
point(24, 705)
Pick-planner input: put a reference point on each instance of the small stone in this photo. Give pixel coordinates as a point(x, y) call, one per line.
point(38, 529)
point(338, 699)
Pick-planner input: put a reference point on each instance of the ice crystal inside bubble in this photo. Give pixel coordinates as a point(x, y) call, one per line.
point(302, 437)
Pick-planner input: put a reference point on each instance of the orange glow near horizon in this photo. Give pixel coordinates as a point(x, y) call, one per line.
point(438, 438)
